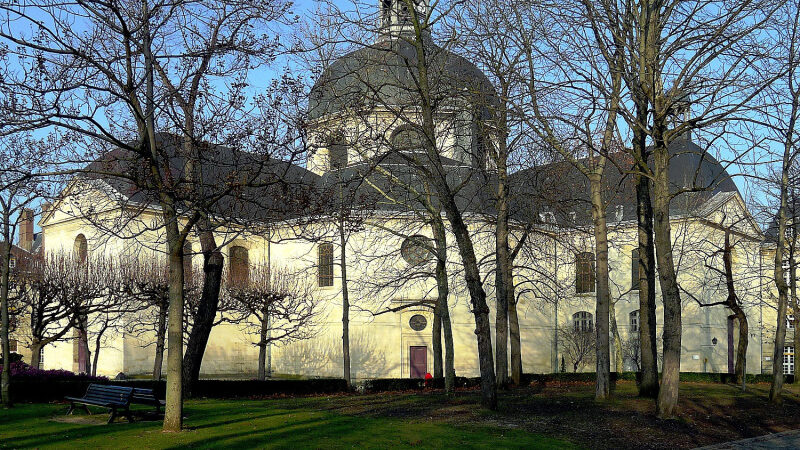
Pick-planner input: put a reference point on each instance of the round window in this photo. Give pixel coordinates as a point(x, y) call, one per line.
point(418, 322)
point(416, 250)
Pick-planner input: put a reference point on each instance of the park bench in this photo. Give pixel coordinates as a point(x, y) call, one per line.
point(115, 398)
point(147, 397)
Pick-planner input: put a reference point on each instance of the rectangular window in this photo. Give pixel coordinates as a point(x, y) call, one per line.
point(634, 319)
point(325, 265)
point(13, 344)
point(788, 360)
point(790, 321)
point(584, 273)
point(12, 263)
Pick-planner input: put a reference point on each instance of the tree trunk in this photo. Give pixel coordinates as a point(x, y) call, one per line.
point(603, 385)
point(262, 345)
point(5, 378)
point(502, 277)
point(345, 308)
point(670, 378)
point(173, 411)
point(461, 232)
point(738, 312)
point(97, 342)
point(617, 341)
point(438, 370)
point(516, 347)
point(36, 353)
point(443, 292)
point(161, 332)
point(793, 294)
point(479, 307)
point(741, 347)
point(213, 263)
point(648, 352)
point(780, 282)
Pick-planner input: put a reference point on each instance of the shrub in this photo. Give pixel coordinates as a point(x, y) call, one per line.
point(20, 370)
point(15, 357)
point(32, 389)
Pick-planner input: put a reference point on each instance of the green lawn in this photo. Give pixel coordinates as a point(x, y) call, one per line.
point(283, 423)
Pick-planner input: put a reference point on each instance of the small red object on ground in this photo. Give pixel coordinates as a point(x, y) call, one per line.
point(428, 378)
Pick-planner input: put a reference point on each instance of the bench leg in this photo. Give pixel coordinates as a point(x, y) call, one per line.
point(88, 411)
point(113, 415)
point(71, 408)
point(129, 415)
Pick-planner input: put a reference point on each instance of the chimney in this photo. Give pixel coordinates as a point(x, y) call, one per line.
point(26, 230)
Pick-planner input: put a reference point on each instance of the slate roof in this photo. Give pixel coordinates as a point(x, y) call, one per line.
point(369, 187)
point(275, 188)
point(554, 192)
point(385, 74)
point(561, 190)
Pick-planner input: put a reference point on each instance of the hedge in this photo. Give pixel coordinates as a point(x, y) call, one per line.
point(32, 390)
point(49, 390)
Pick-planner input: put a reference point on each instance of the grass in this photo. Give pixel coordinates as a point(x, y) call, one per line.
point(554, 415)
point(280, 423)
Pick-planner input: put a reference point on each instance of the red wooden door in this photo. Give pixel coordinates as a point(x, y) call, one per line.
point(418, 359)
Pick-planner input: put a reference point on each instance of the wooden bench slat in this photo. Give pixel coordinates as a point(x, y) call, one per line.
point(111, 397)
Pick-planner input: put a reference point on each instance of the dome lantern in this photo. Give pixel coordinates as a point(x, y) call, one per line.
point(396, 16)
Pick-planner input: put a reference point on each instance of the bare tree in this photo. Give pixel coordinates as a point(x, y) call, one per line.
point(149, 79)
point(276, 305)
point(22, 160)
point(585, 136)
point(58, 292)
point(147, 283)
point(402, 40)
point(578, 345)
point(782, 101)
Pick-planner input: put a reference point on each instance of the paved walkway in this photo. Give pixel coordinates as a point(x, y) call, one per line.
point(784, 440)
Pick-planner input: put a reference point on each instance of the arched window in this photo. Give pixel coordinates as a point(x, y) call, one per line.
point(80, 249)
point(337, 151)
point(633, 318)
point(407, 139)
point(325, 264)
point(239, 272)
point(583, 321)
point(584, 273)
point(636, 270)
point(386, 13)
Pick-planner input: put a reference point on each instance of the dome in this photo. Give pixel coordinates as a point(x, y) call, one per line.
point(385, 74)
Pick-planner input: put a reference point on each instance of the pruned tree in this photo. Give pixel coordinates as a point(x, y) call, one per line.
point(59, 293)
point(147, 283)
point(577, 345)
point(276, 306)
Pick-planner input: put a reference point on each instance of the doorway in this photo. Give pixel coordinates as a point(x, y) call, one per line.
point(418, 360)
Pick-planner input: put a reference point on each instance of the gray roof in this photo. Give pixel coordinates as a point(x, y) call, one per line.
point(289, 190)
point(561, 189)
point(274, 189)
point(385, 74)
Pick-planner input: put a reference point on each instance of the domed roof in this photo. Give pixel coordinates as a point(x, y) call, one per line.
point(385, 74)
